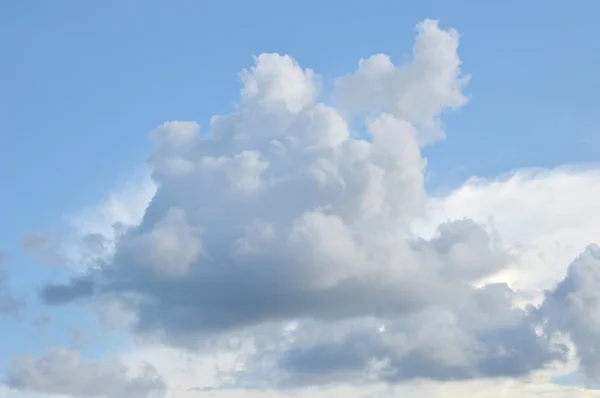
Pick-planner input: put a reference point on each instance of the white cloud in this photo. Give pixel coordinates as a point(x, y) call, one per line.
point(123, 207)
point(282, 215)
point(545, 217)
point(95, 228)
point(417, 91)
point(510, 204)
point(63, 372)
point(198, 375)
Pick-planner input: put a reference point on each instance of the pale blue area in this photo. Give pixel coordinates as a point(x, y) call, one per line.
point(569, 379)
point(82, 82)
point(575, 378)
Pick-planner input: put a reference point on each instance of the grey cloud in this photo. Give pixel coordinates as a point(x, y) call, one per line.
point(77, 288)
point(45, 247)
point(49, 249)
point(493, 338)
point(467, 251)
point(482, 338)
point(573, 307)
point(62, 371)
point(9, 304)
point(282, 214)
point(227, 295)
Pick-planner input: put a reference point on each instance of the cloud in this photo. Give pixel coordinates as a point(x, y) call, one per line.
point(124, 207)
point(545, 218)
point(417, 91)
point(197, 375)
point(286, 215)
point(46, 248)
point(9, 305)
point(573, 307)
point(59, 294)
point(95, 228)
point(62, 371)
point(433, 344)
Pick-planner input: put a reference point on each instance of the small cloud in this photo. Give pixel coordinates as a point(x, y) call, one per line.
point(46, 248)
point(9, 305)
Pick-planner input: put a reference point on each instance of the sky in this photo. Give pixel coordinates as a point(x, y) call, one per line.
point(276, 199)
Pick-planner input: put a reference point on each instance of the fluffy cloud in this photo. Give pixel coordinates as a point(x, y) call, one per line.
point(417, 91)
point(96, 228)
point(64, 372)
point(545, 218)
point(286, 215)
point(574, 307)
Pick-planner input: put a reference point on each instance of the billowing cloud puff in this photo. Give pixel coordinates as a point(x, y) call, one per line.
point(574, 307)
point(417, 91)
point(545, 219)
point(287, 215)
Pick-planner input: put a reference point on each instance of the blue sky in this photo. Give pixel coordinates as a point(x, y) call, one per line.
point(85, 82)
point(82, 84)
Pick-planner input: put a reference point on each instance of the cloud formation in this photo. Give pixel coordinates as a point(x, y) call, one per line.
point(545, 219)
point(574, 307)
point(418, 91)
point(62, 371)
point(287, 215)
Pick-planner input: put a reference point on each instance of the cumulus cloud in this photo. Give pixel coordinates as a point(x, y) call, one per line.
point(284, 214)
point(96, 228)
point(545, 218)
point(486, 338)
point(198, 374)
point(62, 371)
point(417, 91)
point(574, 307)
